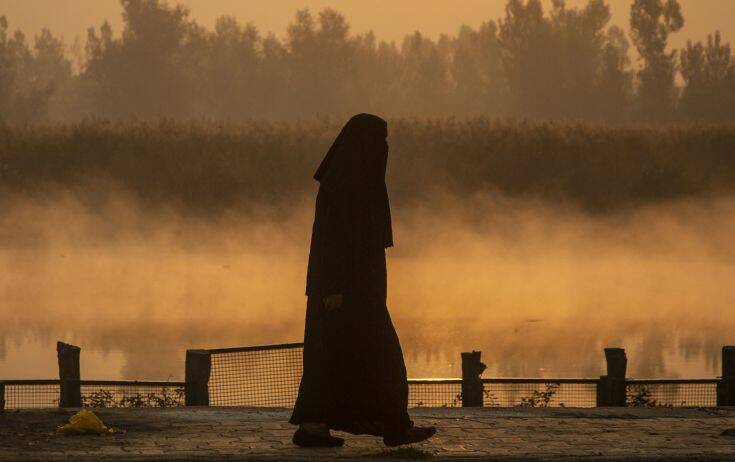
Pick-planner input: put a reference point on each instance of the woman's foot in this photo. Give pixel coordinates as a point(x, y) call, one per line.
point(412, 435)
point(307, 439)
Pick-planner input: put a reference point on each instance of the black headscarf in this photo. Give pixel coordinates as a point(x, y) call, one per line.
point(354, 169)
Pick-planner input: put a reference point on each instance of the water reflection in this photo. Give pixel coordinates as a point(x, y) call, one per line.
point(539, 293)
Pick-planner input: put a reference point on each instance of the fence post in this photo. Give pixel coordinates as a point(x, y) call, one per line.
point(2, 396)
point(726, 385)
point(197, 368)
point(611, 389)
point(70, 394)
point(472, 368)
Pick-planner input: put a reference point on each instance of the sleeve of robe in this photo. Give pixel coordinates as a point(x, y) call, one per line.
point(342, 242)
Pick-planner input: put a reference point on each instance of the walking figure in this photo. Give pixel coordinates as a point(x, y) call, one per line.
point(354, 376)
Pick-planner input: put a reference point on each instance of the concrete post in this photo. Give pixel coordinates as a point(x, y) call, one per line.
point(70, 389)
point(726, 385)
point(472, 369)
point(611, 389)
point(197, 369)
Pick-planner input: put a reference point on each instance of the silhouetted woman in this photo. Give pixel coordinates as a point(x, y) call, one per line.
point(354, 376)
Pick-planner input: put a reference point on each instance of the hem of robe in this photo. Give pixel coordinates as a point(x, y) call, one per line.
point(316, 403)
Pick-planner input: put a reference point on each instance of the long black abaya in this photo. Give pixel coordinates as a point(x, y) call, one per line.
point(354, 374)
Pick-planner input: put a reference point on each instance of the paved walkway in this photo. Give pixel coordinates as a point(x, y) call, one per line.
point(186, 434)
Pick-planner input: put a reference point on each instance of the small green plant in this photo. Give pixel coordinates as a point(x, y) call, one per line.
point(540, 398)
point(641, 397)
point(167, 397)
point(457, 399)
point(491, 399)
point(100, 398)
point(135, 400)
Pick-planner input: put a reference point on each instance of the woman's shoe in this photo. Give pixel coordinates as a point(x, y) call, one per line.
point(312, 440)
point(412, 435)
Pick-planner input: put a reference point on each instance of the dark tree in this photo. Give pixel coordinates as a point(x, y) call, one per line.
point(477, 71)
point(564, 63)
point(615, 81)
point(524, 37)
point(30, 77)
point(423, 77)
point(234, 67)
point(148, 72)
point(651, 23)
point(709, 80)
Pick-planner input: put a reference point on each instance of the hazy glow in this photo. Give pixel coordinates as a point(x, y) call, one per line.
point(391, 20)
point(539, 290)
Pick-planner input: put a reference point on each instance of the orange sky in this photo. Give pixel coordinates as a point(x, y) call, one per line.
point(389, 19)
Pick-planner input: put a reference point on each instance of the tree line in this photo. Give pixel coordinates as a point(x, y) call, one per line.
point(567, 63)
point(258, 166)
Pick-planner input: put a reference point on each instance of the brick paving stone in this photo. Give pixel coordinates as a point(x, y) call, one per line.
point(189, 434)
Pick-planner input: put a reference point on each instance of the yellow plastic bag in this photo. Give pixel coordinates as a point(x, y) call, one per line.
point(83, 422)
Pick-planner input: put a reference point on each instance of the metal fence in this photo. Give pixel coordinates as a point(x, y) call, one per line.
point(534, 392)
point(266, 375)
point(30, 394)
point(434, 392)
point(673, 392)
point(269, 376)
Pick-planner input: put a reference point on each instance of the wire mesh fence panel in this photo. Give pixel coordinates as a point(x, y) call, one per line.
point(256, 376)
point(28, 394)
point(132, 394)
point(539, 393)
point(675, 393)
point(434, 393)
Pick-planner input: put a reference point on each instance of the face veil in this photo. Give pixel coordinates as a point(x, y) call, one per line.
point(354, 170)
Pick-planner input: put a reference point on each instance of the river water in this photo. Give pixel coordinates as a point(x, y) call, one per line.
point(540, 292)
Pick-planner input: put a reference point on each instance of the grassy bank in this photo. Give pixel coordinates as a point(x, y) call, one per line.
point(210, 167)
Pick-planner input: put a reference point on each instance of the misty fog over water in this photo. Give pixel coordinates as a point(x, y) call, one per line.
point(539, 290)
